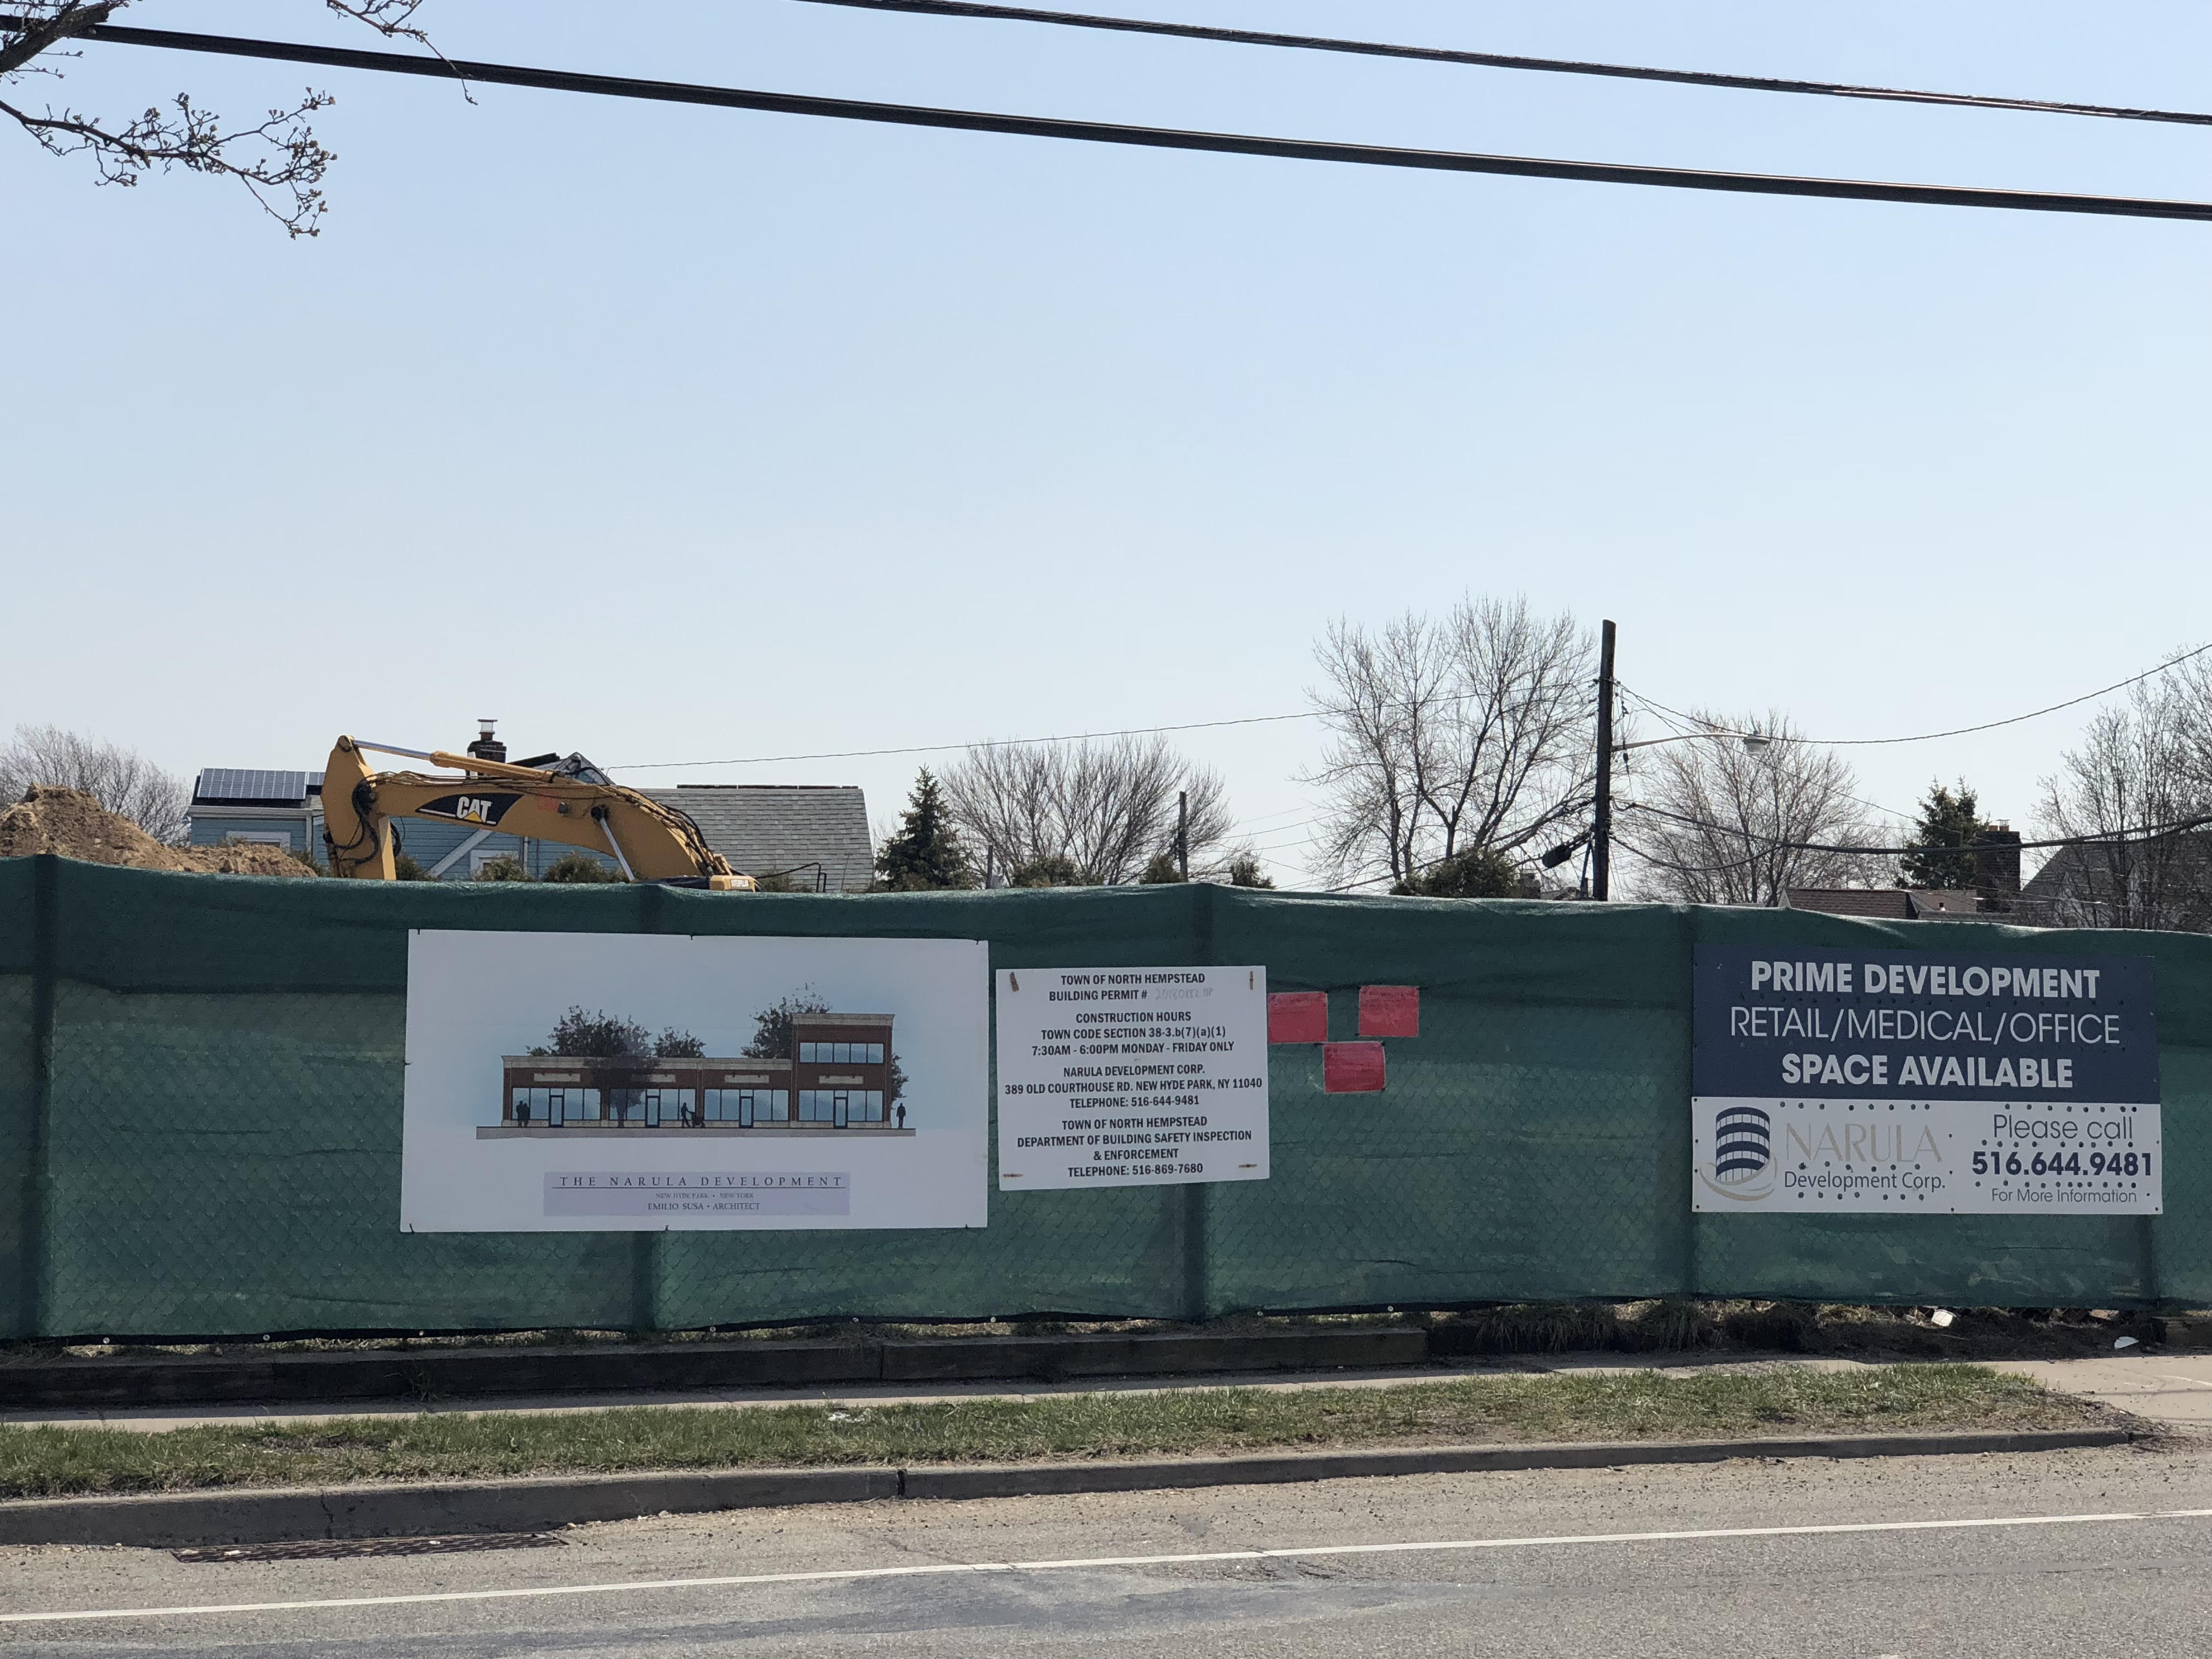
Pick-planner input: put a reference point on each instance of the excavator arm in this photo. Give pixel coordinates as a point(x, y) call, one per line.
point(650, 841)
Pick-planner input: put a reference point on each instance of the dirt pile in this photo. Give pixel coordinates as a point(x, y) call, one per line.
point(72, 823)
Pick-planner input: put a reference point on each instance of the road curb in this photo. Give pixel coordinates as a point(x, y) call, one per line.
point(169, 1519)
point(423, 1510)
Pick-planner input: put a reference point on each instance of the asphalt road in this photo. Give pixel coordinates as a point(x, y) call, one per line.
point(1539, 1564)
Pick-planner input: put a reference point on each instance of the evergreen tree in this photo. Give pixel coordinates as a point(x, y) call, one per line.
point(1482, 873)
point(1950, 824)
point(1244, 870)
point(924, 854)
point(1161, 871)
point(1053, 870)
point(581, 867)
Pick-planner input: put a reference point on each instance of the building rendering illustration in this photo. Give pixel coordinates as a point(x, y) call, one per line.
point(840, 1079)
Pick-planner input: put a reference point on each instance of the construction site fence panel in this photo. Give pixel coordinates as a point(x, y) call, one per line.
point(200, 1122)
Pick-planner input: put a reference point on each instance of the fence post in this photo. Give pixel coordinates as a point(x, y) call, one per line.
point(2152, 1293)
point(1197, 1289)
point(1682, 1165)
point(46, 945)
point(645, 1247)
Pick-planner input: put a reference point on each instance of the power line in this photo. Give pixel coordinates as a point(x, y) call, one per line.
point(1780, 844)
point(985, 743)
point(1500, 60)
point(1682, 725)
point(1958, 730)
point(1661, 709)
point(1103, 132)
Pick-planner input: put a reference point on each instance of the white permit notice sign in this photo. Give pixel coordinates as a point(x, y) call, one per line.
point(1132, 1077)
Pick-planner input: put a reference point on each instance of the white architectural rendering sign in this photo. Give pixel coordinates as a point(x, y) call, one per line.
point(1132, 1077)
point(626, 1082)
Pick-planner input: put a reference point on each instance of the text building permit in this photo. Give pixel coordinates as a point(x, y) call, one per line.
point(1924, 1083)
point(1119, 1076)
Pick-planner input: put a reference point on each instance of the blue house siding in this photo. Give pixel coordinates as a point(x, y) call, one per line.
point(212, 827)
point(424, 840)
point(429, 842)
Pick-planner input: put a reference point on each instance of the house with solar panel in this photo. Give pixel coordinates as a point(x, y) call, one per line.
point(275, 809)
point(815, 838)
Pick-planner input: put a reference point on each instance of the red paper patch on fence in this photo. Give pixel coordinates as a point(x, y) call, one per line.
point(1389, 1011)
point(1352, 1068)
point(1298, 1016)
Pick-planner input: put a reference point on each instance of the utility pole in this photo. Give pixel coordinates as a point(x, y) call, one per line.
point(1182, 832)
point(1601, 817)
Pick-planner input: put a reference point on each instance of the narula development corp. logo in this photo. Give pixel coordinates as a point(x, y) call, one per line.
point(1743, 1153)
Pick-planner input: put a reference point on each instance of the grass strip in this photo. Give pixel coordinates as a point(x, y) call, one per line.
point(43, 1461)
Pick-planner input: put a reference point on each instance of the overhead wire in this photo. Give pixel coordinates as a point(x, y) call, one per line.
point(1958, 731)
point(2131, 835)
point(1105, 132)
point(1656, 708)
point(1682, 725)
point(967, 9)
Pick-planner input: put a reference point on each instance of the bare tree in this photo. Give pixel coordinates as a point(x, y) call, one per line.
point(278, 158)
point(1717, 821)
point(1451, 736)
point(2189, 689)
point(121, 779)
point(1108, 807)
point(2138, 769)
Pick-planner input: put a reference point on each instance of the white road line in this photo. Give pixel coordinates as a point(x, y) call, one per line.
point(946, 1568)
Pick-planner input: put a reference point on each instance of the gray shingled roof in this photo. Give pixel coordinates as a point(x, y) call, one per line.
point(761, 827)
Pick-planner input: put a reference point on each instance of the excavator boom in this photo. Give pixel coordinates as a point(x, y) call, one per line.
point(650, 841)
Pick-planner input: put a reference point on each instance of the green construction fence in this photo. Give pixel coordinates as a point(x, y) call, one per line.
point(200, 1113)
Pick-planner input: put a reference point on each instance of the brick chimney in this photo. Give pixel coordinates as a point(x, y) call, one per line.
point(488, 747)
point(1996, 861)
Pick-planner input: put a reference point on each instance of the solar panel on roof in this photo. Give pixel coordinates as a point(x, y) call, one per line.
point(242, 786)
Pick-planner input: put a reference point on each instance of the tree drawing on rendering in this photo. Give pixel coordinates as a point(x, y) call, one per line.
point(773, 1025)
point(775, 1038)
point(601, 1035)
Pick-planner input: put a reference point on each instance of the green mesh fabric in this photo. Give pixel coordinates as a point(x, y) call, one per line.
point(200, 1082)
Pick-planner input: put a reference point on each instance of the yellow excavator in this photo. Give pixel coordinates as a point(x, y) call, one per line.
point(547, 798)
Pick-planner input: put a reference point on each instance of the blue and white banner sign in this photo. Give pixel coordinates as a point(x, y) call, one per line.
point(1984, 1083)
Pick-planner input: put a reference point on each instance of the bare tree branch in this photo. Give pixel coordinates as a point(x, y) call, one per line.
point(1108, 807)
point(1450, 736)
point(2146, 763)
point(1731, 815)
point(279, 159)
point(121, 779)
point(393, 18)
point(282, 166)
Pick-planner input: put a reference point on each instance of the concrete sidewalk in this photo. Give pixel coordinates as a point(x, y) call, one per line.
point(2174, 1389)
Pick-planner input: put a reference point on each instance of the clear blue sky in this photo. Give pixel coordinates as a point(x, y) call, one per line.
point(676, 434)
